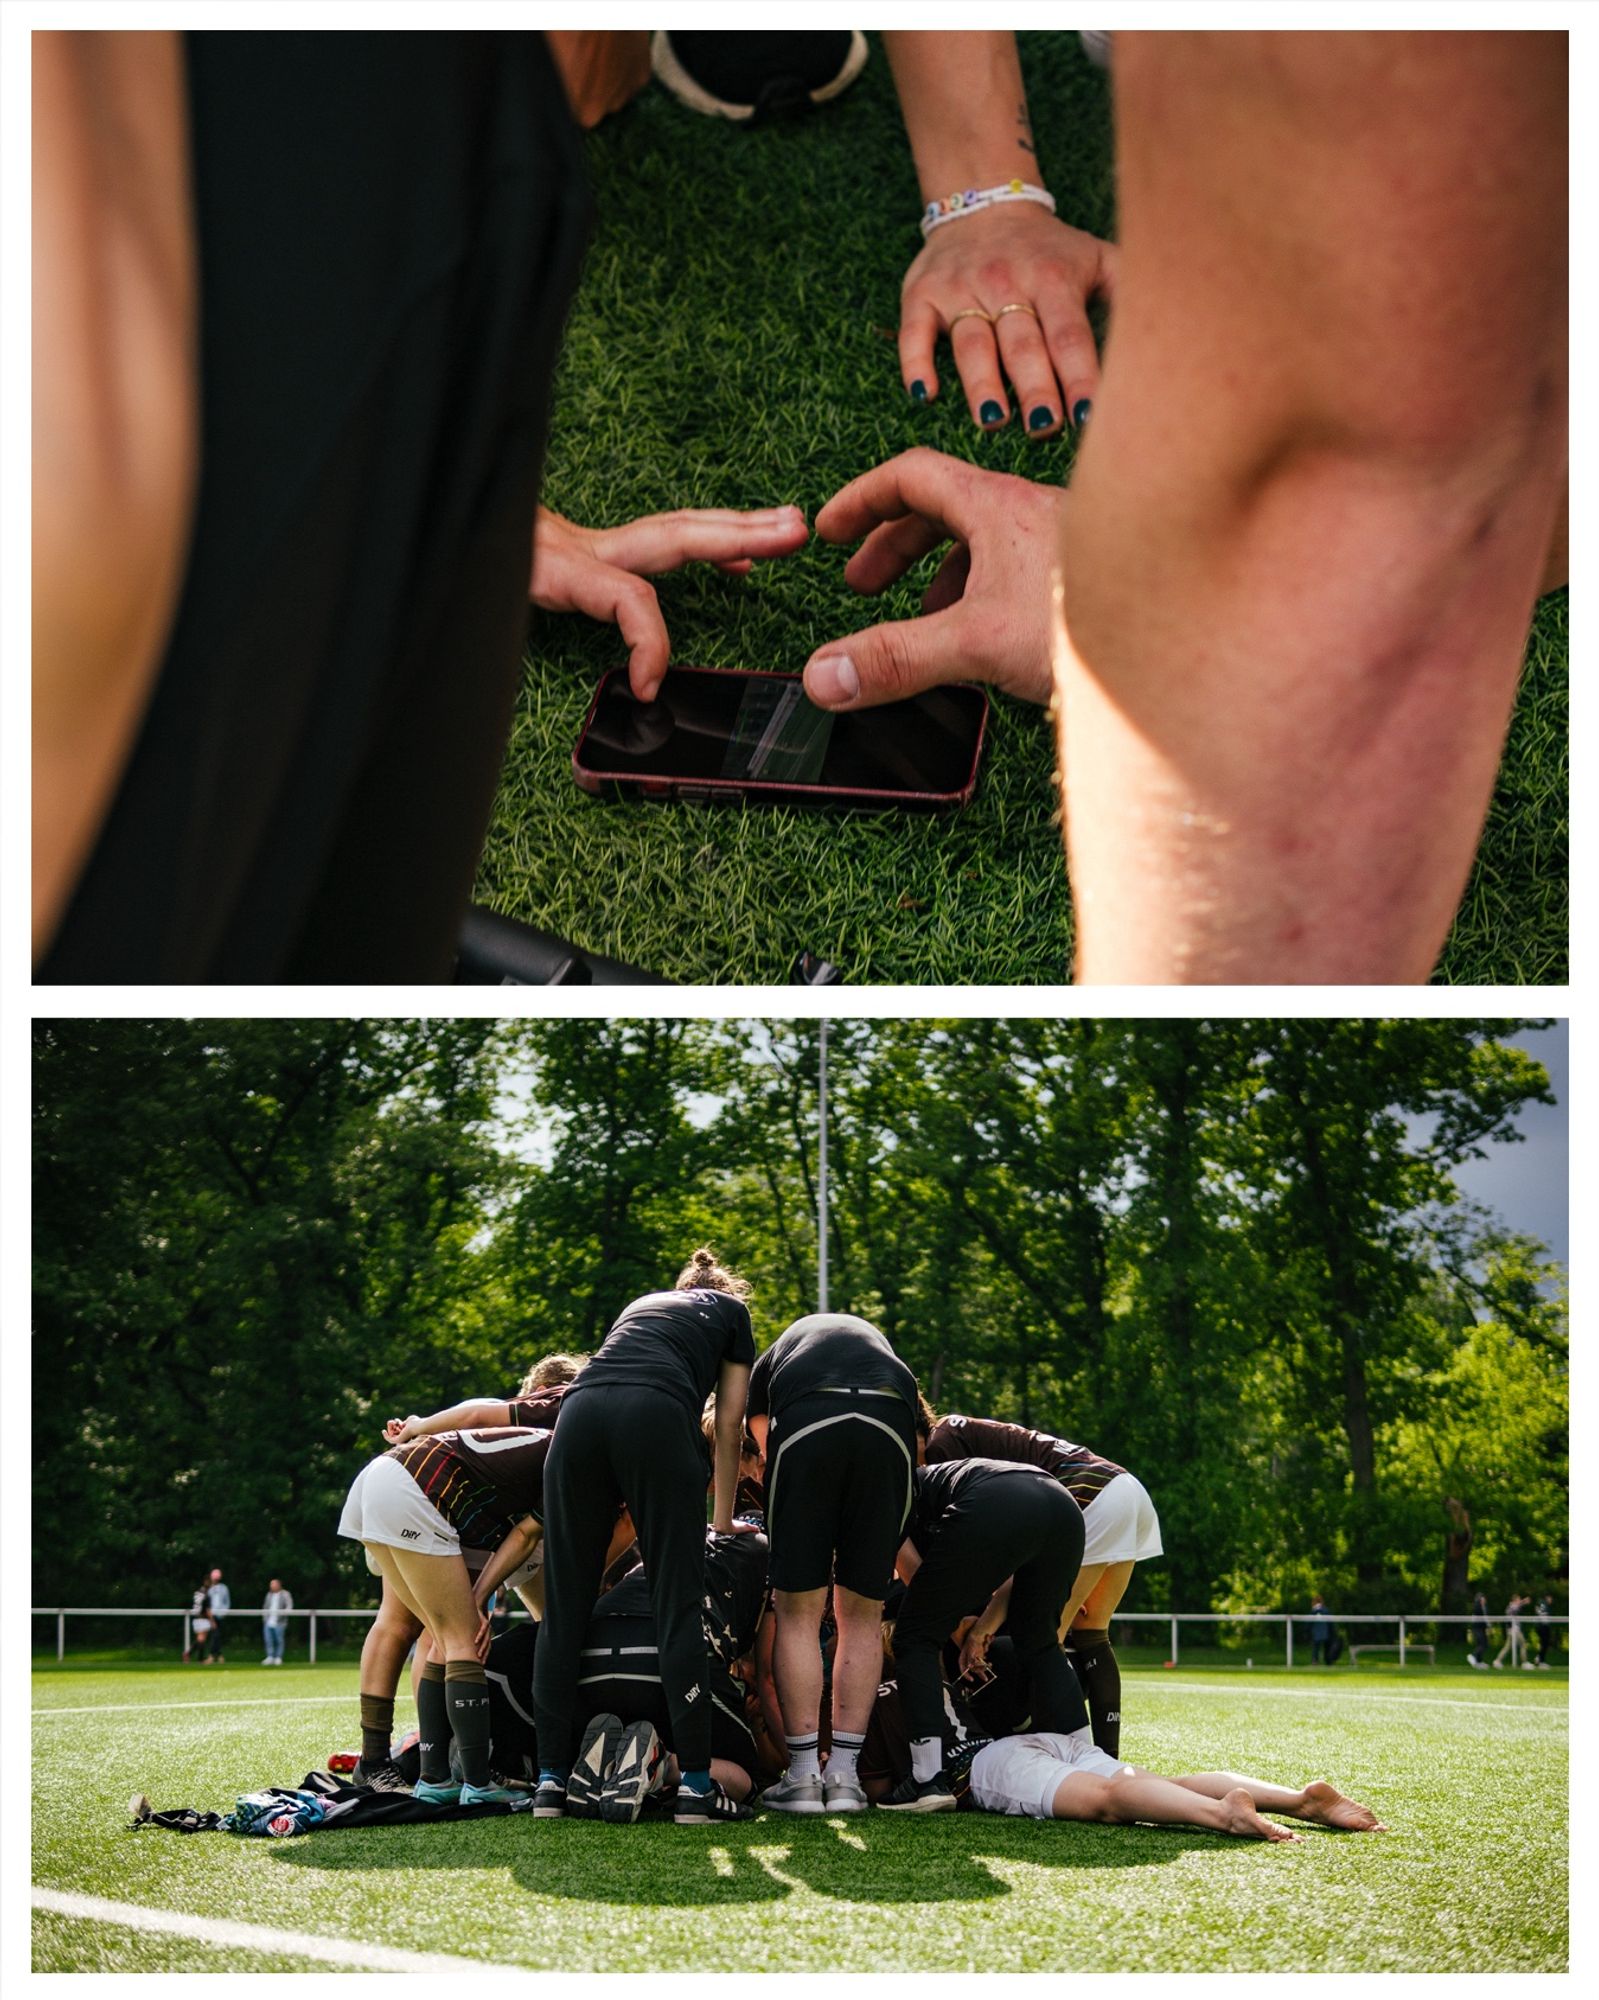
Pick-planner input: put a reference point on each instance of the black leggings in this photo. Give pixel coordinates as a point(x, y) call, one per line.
point(641, 1446)
point(1011, 1525)
point(621, 1676)
point(388, 228)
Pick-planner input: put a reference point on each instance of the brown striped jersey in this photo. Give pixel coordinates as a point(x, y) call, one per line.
point(482, 1482)
point(1082, 1472)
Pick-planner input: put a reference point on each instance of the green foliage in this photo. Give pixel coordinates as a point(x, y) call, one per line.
point(1230, 1255)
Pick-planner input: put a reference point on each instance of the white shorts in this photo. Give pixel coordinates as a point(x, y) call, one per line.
point(386, 1505)
point(1021, 1774)
point(1120, 1523)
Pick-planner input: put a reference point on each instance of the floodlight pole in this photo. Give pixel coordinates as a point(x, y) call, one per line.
point(821, 1180)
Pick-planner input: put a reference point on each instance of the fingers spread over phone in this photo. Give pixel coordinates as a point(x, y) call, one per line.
point(628, 602)
point(888, 662)
point(660, 542)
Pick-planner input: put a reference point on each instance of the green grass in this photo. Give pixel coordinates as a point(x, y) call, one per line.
point(1470, 1775)
point(734, 345)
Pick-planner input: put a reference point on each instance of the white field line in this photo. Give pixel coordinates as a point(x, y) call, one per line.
point(1360, 1694)
point(256, 1937)
point(161, 1707)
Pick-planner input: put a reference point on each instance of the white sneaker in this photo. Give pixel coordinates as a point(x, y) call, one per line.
point(843, 1794)
point(794, 1795)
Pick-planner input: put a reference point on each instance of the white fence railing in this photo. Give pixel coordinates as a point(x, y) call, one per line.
point(1403, 1624)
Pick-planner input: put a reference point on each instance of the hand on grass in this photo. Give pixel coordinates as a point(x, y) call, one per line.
point(1016, 253)
point(601, 571)
point(986, 614)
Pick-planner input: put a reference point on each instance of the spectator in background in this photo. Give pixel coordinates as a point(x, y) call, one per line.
point(1477, 1652)
point(1321, 1632)
point(218, 1603)
point(1515, 1644)
point(1546, 1632)
point(275, 1609)
point(199, 1621)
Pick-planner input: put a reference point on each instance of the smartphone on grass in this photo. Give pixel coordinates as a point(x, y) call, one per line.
point(711, 736)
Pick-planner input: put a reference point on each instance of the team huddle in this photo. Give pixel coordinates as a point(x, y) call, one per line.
point(888, 1610)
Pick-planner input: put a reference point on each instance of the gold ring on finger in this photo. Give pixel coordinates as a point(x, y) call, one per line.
point(968, 312)
point(1017, 308)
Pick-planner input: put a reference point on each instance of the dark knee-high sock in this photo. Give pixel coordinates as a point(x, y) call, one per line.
point(377, 1727)
point(1100, 1673)
point(466, 1688)
point(433, 1723)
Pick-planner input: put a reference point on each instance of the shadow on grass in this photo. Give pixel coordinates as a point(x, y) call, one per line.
point(866, 1859)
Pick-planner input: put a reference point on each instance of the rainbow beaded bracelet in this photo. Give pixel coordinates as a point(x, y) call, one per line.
point(969, 200)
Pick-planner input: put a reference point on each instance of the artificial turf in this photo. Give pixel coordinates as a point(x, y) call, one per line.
point(1470, 1775)
point(733, 345)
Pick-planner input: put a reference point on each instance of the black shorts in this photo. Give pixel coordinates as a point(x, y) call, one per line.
point(621, 1676)
point(838, 1490)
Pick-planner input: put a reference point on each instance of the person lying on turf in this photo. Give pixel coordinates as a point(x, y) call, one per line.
point(1062, 1775)
point(445, 1521)
point(1120, 1528)
point(1290, 619)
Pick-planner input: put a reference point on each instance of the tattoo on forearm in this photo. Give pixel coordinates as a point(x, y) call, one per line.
point(1024, 137)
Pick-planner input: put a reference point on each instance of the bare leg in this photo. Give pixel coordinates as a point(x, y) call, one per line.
point(1318, 1801)
point(1160, 1801)
point(797, 1659)
point(1104, 1594)
point(858, 1663)
point(1087, 1577)
point(389, 1638)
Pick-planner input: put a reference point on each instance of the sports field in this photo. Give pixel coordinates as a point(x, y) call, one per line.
point(1469, 1771)
point(733, 345)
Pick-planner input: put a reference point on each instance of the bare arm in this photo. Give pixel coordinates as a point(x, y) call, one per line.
point(478, 1415)
point(732, 1387)
point(907, 1562)
point(518, 1545)
point(115, 419)
point(1305, 535)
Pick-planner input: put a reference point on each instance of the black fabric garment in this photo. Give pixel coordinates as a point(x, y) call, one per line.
point(827, 1351)
point(974, 1708)
point(838, 1490)
point(539, 1409)
point(389, 227)
point(636, 1445)
point(976, 1522)
point(621, 1676)
point(1082, 1472)
point(672, 1342)
point(513, 1744)
point(1093, 1660)
point(347, 1805)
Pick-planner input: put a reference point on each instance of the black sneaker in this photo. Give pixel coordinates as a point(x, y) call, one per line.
point(384, 1777)
point(589, 1776)
point(549, 1799)
point(712, 1808)
point(920, 1795)
point(958, 1766)
point(760, 75)
point(636, 1772)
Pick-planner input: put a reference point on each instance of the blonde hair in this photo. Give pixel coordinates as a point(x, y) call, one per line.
point(551, 1370)
point(703, 1272)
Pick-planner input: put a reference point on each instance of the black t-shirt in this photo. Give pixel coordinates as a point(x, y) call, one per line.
point(1082, 1472)
point(482, 1482)
point(937, 1491)
point(675, 1342)
point(827, 1351)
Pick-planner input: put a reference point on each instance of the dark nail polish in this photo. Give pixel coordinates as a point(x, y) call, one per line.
point(991, 413)
point(918, 392)
point(1041, 418)
point(1080, 411)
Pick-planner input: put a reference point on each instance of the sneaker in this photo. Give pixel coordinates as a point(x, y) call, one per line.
point(490, 1794)
point(751, 77)
point(549, 1799)
point(585, 1785)
point(958, 1765)
point(384, 1777)
point(842, 1794)
point(636, 1772)
point(447, 1794)
point(795, 1795)
point(920, 1795)
point(711, 1808)
point(1471, 1659)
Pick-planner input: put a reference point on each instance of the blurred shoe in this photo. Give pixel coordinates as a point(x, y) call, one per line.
point(637, 1770)
point(586, 1782)
point(447, 1794)
point(755, 76)
point(486, 1795)
point(384, 1777)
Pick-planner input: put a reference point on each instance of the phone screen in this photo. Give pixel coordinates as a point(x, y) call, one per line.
point(760, 729)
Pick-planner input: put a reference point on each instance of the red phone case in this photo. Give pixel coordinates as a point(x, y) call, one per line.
point(715, 791)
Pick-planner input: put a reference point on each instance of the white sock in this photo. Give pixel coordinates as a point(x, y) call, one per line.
point(846, 1750)
point(927, 1758)
point(803, 1759)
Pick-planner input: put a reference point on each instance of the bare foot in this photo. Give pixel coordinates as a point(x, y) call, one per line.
point(1330, 1808)
point(1239, 1816)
